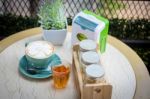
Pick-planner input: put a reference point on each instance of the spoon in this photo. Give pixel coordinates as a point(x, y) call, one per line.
point(34, 71)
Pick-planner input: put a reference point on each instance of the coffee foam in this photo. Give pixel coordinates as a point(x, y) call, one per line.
point(39, 49)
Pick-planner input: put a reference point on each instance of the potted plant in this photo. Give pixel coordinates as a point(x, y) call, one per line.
point(53, 21)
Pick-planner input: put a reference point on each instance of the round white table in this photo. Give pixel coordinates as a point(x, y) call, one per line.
point(14, 86)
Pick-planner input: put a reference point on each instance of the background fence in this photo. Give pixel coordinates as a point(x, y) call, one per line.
point(126, 9)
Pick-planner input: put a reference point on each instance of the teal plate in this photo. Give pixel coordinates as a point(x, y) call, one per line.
point(23, 63)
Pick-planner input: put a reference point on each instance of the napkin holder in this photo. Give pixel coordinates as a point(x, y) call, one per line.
point(87, 25)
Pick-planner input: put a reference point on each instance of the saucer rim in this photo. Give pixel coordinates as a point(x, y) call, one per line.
point(25, 73)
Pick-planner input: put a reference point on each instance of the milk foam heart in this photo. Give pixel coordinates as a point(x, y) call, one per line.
point(39, 49)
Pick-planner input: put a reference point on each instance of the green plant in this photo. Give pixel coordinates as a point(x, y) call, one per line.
point(51, 15)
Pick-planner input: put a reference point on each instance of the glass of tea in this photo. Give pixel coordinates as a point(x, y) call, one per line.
point(60, 73)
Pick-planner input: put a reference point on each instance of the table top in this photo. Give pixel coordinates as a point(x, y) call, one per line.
point(141, 73)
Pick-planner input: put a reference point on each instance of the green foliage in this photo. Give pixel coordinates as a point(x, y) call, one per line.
point(51, 15)
point(130, 29)
point(69, 21)
point(10, 24)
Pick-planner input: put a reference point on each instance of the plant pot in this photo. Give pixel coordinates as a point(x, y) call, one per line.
point(56, 37)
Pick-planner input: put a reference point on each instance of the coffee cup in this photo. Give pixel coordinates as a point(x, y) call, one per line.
point(38, 54)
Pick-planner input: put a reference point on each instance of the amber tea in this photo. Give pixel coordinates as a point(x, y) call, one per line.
point(60, 75)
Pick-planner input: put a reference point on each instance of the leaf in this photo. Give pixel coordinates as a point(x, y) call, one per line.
point(53, 12)
point(81, 36)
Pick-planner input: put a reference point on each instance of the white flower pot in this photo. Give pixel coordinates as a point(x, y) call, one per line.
point(57, 37)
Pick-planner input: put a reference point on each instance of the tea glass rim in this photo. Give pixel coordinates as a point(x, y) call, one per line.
point(62, 61)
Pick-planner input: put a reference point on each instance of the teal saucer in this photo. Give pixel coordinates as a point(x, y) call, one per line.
point(23, 63)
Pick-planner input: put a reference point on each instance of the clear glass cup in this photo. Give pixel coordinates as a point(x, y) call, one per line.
point(60, 73)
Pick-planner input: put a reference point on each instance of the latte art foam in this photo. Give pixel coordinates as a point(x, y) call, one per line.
point(39, 49)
